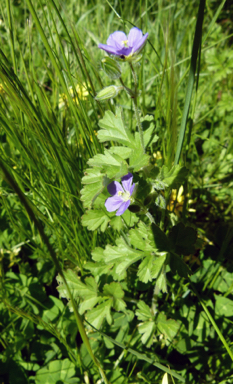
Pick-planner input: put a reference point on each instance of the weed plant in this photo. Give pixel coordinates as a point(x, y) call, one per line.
point(88, 295)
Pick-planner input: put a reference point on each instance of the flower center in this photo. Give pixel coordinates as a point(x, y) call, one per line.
point(125, 43)
point(124, 195)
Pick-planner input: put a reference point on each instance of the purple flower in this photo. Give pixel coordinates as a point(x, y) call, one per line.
point(121, 196)
point(119, 44)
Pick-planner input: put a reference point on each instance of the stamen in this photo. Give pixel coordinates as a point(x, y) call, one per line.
point(125, 43)
point(125, 196)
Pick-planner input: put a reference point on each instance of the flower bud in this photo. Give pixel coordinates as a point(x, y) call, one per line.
point(111, 68)
point(108, 92)
point(134, 208)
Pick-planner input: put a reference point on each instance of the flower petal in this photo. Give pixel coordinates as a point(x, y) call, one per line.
point(132, 189)
point(116, 39)
point(135, 34)
point(108, 48)
point(127, 181)
point(113, 203)
point(140, 44)
point(123, 208)
point(114, 187)
point(124, 51)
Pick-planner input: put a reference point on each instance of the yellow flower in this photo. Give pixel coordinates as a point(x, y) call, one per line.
point(81, 91)
point(177, 200)
point(157, 155)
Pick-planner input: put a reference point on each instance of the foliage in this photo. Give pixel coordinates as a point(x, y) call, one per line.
point(88, 296)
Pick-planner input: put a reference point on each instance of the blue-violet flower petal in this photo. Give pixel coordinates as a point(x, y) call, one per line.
point(119, 44)
point(121, 196)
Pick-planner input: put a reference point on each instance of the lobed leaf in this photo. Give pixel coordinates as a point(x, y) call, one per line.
point(95, 183)
point(115, 130)
point(111, 164)
point(94, 219)
point(167, 327)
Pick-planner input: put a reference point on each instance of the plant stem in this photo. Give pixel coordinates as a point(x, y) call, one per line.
point(134, 99)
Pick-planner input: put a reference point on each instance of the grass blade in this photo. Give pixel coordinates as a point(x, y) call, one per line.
point(194, 57)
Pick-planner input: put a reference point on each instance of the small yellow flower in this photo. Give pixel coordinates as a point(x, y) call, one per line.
point(157, 155)
point(81, 92)
point(177, 200)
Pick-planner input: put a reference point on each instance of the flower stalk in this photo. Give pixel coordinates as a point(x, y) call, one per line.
point(134, 99)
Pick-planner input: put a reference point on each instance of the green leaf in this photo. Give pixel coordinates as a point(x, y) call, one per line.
point(94, 219)
point(144, 270)
point(116, 223)
point(178, 265)
point(147, 328)
point(97, 268)
point(56, 371)
point(144, 312)
point(183, 239)
point(55, 308)
point(98, 314)
point(223, 306)
point(111, 164)
point(86, 291)
point(116, 293)
point(138, 159)
point(169, 328)
point(122, 255)
point(158, 263)
point(95, 183)
point(114, 129)
point(174, 177)
point(123, 152)
point(129, 218)
point(98, 254)
point(161, 282)
point(224, 281)
point(142, 237)
point(161, 241)
point(150, 267)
